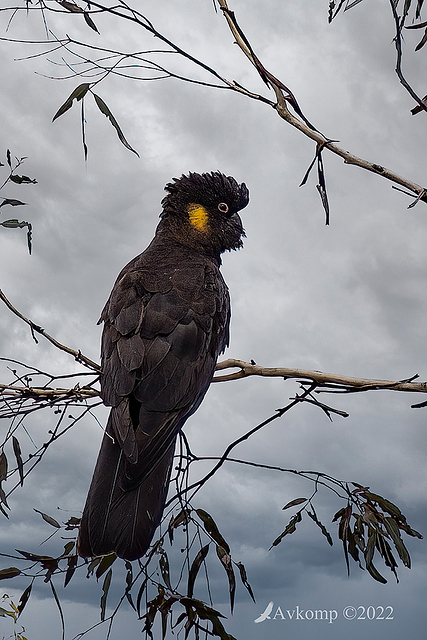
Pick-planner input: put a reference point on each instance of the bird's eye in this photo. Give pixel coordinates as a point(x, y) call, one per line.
point(223, 207)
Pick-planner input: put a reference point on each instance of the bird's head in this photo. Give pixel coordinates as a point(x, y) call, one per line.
point(202, 211)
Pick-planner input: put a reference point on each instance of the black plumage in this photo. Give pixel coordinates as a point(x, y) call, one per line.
point(165, 323)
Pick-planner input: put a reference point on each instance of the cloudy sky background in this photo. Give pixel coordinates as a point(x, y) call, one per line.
point(349, 298)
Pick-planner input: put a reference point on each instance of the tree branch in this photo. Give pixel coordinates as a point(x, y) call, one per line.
point(35, 328)
point(333, 381)
point(283, 94)
point(304, 126)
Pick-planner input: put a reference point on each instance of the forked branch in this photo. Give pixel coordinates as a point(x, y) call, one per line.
point(285, 102)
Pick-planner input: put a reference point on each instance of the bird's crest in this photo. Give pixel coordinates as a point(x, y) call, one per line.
point(207, 190)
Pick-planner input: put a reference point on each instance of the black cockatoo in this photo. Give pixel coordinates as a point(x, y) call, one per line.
point(165, 323)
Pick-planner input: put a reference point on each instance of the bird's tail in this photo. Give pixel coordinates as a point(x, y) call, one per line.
point(119, 519)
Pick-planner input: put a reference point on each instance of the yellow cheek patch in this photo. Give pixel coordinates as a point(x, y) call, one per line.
point(198, 217)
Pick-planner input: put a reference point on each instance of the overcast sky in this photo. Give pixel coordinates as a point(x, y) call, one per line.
point(349, 298)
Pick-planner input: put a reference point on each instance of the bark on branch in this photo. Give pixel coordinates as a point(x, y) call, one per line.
point(330, 380)
point(284, 97)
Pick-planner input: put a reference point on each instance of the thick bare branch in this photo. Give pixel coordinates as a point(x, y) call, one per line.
point(331, 380)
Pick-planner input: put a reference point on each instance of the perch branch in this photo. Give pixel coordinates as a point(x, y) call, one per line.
point(334, 381)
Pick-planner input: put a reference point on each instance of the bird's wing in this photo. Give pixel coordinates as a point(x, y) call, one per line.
point(162, 334)
point(163, 329)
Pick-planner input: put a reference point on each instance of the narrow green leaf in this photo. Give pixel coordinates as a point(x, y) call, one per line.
point(78, 93)
point(181, 519)
point(206, 613)
point(83, 121)
point(29, 237)
point(290, 528)
point(226, 562)
point(129, 584)
point(105, 588)
point(3, 466)
point(332, 14)
point(352, 4)
point(406, 7)
point(9, 161)
point(370, 547)
point(105, 563)
point(12, 202)
point(338, 514)
point(244, 579)
point(49, 519)
point(393, 531)
point(212, 529)
point(139, 596)
point(376, 574)
point(358, 533)
point(22, 179)
point(106, 111)
point(322, 527)
point(411, 532)
point(385, 504)
point(71, 567)
point(422, 41)
point(31, 556)
point(68, 548)
point(294, 503)
point(194, 570)
point(89, 21)
point(351, 545)
point(95, 562)
point(164, 568)
point(10, 572)
point(71, 6)
point(58, 604)
point(387, 555)
point(47, 562)
point(3, 499)
point(13, 223)
point(17, 452)
point(24, 599)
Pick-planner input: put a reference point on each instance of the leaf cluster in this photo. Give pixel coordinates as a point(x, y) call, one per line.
point(368, 524)
point(372, 524)
point(16, 178)
point(79, 94)
point(345, 5)
point(153, 573)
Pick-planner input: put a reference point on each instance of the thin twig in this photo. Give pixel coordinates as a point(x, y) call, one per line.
point(38, 329)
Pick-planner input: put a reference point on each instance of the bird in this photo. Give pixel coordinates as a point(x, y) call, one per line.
point(165, 324)
point(265, 615)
